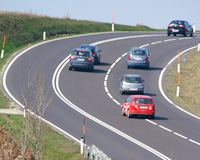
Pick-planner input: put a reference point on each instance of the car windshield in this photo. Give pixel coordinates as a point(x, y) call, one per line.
point(81, 53)
point(138, 52)
point(143, 101)
point(133, 80)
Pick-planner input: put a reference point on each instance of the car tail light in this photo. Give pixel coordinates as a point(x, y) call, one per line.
point(89, 59)
point(151, 108)
point(146, 59)
point(72, 58)
point(169, 26)
point(95, 53)
point(129, 57)
point(181, 26)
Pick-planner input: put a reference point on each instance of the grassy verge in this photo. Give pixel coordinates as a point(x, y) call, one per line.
point(56, 145)
point(189, 97)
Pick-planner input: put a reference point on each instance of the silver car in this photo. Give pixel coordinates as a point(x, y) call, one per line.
point(131, 83)
point(138, 57)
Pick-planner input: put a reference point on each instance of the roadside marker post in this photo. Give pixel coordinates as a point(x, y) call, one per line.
point(178, 86)
point(2, 52)
point(84, 136)
point(194, 28)
point(81, 145)
point(178, 66)
point(44, 35)
point(113, 29)
point(198, 47)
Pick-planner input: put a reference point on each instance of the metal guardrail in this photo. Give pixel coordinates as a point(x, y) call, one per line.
point(92, 152)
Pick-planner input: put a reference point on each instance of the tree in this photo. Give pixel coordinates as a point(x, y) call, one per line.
point(36, 95)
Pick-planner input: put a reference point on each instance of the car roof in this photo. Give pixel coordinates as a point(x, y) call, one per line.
point(141, 96)
point(132, 75)
point(87, 45)
point(136, 48)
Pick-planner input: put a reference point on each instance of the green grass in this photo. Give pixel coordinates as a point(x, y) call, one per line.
point(189, 97)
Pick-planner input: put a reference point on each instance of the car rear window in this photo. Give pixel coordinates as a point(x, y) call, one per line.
point(81, 53)
point(143, 101)
point(138, 52)
point(133, 79)
point(176, 22)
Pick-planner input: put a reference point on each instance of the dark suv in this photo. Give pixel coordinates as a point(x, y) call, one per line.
point(180, 27)
point(95, 52)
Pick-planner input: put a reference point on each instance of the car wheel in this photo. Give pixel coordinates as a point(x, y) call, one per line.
point(191, 35)
point(70, 68)
point(98, 61)
point(142, 92)
point(174, 34)
point(152, 116)
point(168, 34)
point(91, 69)
point(147, 67)
point(128, 114)
point(121, 92)
point(128, 67)
point(123, 114)
point(184, 34)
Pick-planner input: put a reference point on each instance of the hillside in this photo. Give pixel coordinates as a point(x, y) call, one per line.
point(21, 29)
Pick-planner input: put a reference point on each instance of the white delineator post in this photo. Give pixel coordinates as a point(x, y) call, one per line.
point(44, 35)
point(178, 86)
point(2, 52)
point(198, 47)
point(113, 29)
point(82, 144)
point(194, 28)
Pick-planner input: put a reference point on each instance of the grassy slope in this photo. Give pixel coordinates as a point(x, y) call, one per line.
point(189, 84)
point(24, 29)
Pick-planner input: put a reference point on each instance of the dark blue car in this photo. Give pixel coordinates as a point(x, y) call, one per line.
point(81, 58)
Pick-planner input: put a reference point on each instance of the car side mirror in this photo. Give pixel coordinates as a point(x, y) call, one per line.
point(99, 50)
point(124, 101)
point(143, 80)
point(120, 79)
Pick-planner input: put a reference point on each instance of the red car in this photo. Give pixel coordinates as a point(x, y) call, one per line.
point(138, 105)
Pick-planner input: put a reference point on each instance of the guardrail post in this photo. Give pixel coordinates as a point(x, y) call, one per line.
point(194, 28)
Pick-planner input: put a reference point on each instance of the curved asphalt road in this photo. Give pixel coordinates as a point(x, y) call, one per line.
point(173, 134)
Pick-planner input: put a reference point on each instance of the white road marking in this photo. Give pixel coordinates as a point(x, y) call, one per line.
point(180, 135)
point(169, 130)
point(152, 122)
point(156, 42)
point(194, 142)
point(167, 40)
